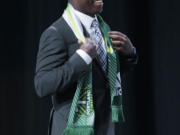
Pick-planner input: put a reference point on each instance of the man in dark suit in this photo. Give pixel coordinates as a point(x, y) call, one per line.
point(62, 59)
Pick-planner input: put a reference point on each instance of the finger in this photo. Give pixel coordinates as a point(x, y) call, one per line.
point(117, 37)
point(117, 48)
point(124, 38)
point(88, 40)
point(117, 33)
point(80, 42)
point(118, 43)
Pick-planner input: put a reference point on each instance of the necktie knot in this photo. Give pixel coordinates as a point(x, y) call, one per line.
point(94, 24)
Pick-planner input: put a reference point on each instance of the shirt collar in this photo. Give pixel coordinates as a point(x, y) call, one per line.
point(86, 20)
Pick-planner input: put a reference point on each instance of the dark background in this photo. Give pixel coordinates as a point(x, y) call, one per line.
point(151, 92)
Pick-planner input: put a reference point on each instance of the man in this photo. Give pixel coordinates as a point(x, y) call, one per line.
point(75, 60)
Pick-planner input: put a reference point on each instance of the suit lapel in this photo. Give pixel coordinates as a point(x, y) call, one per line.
point(71, 40)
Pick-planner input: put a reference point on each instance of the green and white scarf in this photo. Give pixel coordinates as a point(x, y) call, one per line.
point(82, 116)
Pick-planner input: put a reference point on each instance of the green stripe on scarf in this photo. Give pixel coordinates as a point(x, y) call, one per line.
point(82, 116)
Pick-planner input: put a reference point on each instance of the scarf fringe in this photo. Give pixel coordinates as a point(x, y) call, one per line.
point(117, 114)
point(81, 130)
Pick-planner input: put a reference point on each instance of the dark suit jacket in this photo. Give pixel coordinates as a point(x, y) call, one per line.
point(57, 71)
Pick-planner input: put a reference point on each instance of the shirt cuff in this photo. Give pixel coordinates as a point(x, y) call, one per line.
point(134, 50)
point(134, 53)
point(84, 56)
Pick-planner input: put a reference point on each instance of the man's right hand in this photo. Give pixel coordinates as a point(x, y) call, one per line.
point(89, 47)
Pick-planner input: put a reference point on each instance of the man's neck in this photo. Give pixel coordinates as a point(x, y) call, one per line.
point(80, 10)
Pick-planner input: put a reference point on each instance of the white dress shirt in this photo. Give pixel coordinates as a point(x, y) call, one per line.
point(86, 21)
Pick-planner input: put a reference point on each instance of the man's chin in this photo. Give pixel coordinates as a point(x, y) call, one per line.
point(98, 3)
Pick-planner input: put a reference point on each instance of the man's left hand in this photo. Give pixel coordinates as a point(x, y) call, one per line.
point(121, 43)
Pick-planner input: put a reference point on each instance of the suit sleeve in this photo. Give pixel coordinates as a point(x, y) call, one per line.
point(127, 63)
point(55, 71)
